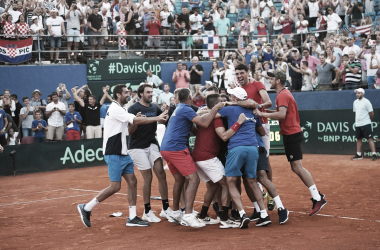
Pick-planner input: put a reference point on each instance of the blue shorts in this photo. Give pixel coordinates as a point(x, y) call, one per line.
point(118, 165)
point(239, 157)
point(370, 80)
point(55, 42)
point(114, 28)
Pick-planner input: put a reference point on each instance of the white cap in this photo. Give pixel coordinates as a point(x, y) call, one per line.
point(359, 90)
point(240, 93)
point(34, 17)
point(54, 10)
point(208, 82)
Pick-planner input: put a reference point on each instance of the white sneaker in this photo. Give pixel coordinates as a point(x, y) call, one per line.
point(150, 217)
point(192, 221)
point(166, 214)
point(228, 224)
point(209, 221)
point(175, 216)
point(195, 213)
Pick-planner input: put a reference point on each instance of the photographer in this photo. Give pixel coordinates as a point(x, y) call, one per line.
point(356, 9)
point(73, 17)
point(55, 111)
point(154, 26)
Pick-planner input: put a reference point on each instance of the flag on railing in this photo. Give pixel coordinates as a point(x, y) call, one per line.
point(13, 51)
point(366, 29)
point(210, 42)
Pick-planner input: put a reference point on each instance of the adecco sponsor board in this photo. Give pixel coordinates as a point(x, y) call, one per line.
point(333, 131)
point(121, 69)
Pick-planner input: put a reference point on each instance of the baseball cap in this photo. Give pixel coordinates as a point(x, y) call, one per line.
point(54, 10)
point(359, 90)
point(328, 9)
point(259, 44)
point(353, 26)
point(240, 93)
point(278, 74)
point(34, 17)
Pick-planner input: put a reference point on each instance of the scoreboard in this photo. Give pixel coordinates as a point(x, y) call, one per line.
point(276, 145)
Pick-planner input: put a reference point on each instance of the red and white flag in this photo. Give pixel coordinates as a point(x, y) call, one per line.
point(366, 29)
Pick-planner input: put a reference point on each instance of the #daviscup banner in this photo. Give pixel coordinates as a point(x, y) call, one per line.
point(13, 51)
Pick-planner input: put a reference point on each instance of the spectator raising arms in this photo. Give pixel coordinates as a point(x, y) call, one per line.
point(181, 77)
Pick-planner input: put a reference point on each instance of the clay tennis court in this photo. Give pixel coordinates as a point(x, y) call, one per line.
point(39, 211)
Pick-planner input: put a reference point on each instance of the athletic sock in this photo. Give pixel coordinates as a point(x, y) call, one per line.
point(359, 153)
point(278, 202)
point(241, 212)
point(256, 205)
point(147, 207)
point(203, 213)
point(132, 212)
point(165, 204)
point(314, 193)
point(224, 214)
point(263, 213)
point(373, 153)
point(89, 206)
point(260, 186)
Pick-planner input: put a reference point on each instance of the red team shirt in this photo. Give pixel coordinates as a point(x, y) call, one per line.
point(252, 89)
point(9, 29)
point(23, 30)
point(291, 124)
point(207, 142)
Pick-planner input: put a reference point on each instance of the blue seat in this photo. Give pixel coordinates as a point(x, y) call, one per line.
point(255, 32)
point(233, 15)
point(312, 29)
point(372, 13)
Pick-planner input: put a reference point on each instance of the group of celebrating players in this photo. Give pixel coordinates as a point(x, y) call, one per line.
point(232, 143)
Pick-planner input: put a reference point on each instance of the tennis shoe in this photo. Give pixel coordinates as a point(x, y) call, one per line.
point(189, 220)
point(150, 217)
point(357, 157)
point(244, 222)
point(209, 221)
point(175, 217)
point(255, 216)
point(271, 203)
point(166, 214)
point(84, 215)
point(283, 215)
point(228, 224)
point(318, 205)
point(263, 221)
point(137, 222)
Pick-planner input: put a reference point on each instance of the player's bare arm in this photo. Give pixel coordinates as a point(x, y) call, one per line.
point(145, 120)
point(132, 127)
point(279, 115)
point(205, 120)
point(224, 134)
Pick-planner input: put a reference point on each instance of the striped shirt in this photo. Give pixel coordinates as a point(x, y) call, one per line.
point(351, 78)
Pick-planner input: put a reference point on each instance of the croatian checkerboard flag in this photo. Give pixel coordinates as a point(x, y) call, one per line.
point(210, 42)
point(13, 51)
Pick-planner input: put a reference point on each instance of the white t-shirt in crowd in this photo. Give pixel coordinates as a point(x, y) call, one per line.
point(367, 57)
point(333, 21)
point(313, 8)
point(164, 15)
point(56, 118)
point(35, 28)
point(266, 10)
point(55, 25)
point(197, 19)
point(106, 6)
point(307, 84)
point(354, 48)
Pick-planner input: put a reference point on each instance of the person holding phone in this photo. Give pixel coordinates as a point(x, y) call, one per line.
point(154, 26)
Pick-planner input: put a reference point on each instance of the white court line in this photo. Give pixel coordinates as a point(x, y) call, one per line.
point(27, 202)
point(325, 215)
point(32, 193)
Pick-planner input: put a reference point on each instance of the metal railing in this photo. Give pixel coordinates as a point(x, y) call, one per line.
point(120, 50)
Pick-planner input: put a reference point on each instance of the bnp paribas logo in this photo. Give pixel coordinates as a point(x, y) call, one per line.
point(306, 130)
point(93, 67)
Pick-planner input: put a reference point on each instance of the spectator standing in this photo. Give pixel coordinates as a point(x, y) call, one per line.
point(333, 22)
point(92, 110)
point(103, 13)
point(95, 23)
point(122, 33)
point(372, 67)
point(37, 101)
point(56, 28)
point(198, 41)
point(356, 9)
point(184, 17)
point(154, 26)
point(195, 21)
point(265, 12)
point(9, 106)
point(313, 11)
point(15, 12)
point(12, 138)
point(39, 126)
point(55, 111)
point(181, 77)
point(22, 28)
point(312, 61)
point(130, 27)
point(3, 126)
point(353, 71)
point(307, 76)
point(72, 120)
point(37, 30)
point(16, 113)
point(198, 97)
point(242, 11)
point(157, 82)
point(26, 118)
point(63, 95)
point(73, 31)
point(324, 71)
point(354, 35)
point(363, 122)
point(196, 72)
point(9, 28)
point(351, 47)
point(222, 28)
point(196, 5)
point(208, 23)
point(166, 95)
point(184, 40)
point(164, 14)
point(269, 55)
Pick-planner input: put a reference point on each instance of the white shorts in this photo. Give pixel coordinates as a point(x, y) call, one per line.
point(210, 170)
point(222, 41)
point(93, 132)
point(266, 137)
point(144, 158)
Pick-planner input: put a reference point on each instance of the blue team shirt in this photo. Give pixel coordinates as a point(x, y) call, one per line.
point(40, 133)
point(246, 135)
point(103, 110)
point(268, 57)
point(2, 116)
point(178, 131)
point(70, 116)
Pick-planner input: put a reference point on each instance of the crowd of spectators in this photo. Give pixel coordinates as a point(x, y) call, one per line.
point(237, 23)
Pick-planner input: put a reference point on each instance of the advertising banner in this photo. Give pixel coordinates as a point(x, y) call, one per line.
point(333, 131)
point(121, 69)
